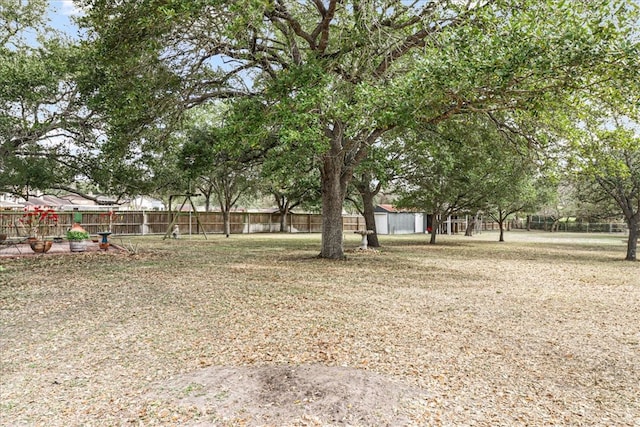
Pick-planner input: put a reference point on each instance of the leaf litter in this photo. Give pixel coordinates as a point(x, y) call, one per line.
point(466, 333)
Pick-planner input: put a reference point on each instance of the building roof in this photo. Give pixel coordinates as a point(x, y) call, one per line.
point(75, 199)
point(389, 209)
point(65, 203)
point(5, 204)
point(46, 201)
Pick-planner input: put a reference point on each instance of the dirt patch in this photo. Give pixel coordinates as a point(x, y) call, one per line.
point(286, 395)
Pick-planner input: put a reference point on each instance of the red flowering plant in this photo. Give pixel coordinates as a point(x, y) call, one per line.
point(39, 221)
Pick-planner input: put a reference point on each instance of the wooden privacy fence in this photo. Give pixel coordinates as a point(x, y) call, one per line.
point(157, 222)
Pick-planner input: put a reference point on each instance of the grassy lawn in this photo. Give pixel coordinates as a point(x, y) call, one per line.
point(541, 330)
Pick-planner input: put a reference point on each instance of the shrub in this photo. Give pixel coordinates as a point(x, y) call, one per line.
point(77, 235)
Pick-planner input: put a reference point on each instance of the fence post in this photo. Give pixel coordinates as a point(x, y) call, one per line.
point(144, 228)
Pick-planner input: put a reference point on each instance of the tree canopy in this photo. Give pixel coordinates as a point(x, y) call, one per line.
point(46, 132)
point(336, 75)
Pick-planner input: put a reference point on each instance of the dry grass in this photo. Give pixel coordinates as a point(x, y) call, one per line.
point(541, 330)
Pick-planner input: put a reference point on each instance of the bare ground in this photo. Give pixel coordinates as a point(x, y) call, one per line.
point(542, 330)
point(278, 395)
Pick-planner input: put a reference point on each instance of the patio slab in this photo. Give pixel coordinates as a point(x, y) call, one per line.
point(23, 249)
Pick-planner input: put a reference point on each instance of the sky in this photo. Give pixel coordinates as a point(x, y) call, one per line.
point(61, 13)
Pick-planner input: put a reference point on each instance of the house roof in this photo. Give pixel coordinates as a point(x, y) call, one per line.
point(5, 204)
point(75, 199)
point(46, 201)
point(66, 202)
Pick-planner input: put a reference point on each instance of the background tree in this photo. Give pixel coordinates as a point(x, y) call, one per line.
point(221, 156)
point(591, 203)
point(518, 154)
point(449, 168)
point(229, 178)
point(291, 181)
point(47, 133)
point(560, 202)
point(376, 172)
point(609, 155)
point(517, 193)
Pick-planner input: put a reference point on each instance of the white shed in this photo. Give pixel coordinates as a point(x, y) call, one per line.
point(390, 220)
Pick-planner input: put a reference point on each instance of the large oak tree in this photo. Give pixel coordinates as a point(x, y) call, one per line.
point(339, 74)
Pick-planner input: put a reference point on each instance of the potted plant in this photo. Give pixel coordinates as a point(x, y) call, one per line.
point(77, 237)
point(38, 222)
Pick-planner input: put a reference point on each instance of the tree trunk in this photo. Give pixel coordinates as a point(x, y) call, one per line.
point(469, 231)
point(435, 225)
point(369, 218)
point(500, 219)
point(362, 183)
point(334, 185)
point(471, 226)
point(632, 243)
point(283, 219)
point(283, 209)
point(227, 223)
point(336, 173)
